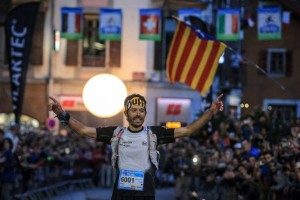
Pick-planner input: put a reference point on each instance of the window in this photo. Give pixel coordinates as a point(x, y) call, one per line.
point(276, 62)
point(37, 48)
point(285, 110)
point(95, 52)
point(93, 49)
point(285, 113)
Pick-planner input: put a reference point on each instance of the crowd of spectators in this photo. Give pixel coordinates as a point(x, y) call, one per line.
point(255, 157)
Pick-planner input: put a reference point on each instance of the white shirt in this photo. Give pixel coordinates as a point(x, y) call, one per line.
point(134, 151)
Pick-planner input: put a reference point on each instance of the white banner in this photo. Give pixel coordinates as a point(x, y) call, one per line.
point(173, 109)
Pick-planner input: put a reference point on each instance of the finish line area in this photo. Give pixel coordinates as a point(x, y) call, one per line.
point(82, 189)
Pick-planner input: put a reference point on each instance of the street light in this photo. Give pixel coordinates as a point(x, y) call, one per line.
point(103, 95)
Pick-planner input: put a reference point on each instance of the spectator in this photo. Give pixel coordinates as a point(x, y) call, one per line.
point(227, 188)
point(8, 166)
point(183, 173)
point(96, 163)
point(13, 134)
point(248, 150)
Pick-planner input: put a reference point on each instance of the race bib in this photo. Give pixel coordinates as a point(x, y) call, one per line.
point(131, 180)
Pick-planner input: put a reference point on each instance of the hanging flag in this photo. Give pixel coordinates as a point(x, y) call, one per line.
point(71, 23)
point(19, 32)
point(185, 13)
point(228, 24)
point(110, 27)
point(150, 24)
point(286, 17)
point(193, 58)
point(269, 23)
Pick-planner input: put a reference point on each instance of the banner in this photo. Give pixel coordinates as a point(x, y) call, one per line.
point(193, 58)
point(71, 23)
point(269, 23)
point(228, 24)
point(173, 110)
point(19, 28)
point(110, 27)
point(150, 24)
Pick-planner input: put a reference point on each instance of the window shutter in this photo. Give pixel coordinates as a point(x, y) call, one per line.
point(37, 41)
point(158, 56)
point(289, 63)
point(262, 61)
point(72, 53)
point(115, 53)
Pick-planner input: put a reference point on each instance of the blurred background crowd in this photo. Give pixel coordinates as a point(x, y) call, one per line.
point(256, 157)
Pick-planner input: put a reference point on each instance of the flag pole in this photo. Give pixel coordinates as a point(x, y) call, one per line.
point(245, 60)
point(163, 42)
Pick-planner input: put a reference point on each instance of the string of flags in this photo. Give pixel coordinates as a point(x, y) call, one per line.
point(193, 55)
point(228, 26)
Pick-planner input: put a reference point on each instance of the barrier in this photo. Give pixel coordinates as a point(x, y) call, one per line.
point(56, 189)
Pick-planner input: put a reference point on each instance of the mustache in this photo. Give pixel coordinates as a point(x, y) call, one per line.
point(137, 117)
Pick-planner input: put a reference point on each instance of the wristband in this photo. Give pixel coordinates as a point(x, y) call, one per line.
point(64, 117)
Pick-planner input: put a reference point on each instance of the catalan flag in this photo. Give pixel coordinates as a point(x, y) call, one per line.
point(193, 58)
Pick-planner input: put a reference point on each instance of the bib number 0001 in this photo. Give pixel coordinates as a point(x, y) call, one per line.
point(131, 180)
point(127, 179)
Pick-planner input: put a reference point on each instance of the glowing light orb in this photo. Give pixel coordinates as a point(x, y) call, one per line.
point(103, 95)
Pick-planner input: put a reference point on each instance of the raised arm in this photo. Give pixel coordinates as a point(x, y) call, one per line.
point(216, 106)
point(74, 124)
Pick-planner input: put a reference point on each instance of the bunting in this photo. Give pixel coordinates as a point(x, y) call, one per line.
point(71, 25)
point(150, 24)
point(269, 23)
point(110, 27)
point(193, 58)
point(228, 25)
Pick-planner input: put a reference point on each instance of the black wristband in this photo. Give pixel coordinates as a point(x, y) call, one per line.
point(64, 117)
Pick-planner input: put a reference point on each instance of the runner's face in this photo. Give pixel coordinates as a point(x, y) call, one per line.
point(136, 116)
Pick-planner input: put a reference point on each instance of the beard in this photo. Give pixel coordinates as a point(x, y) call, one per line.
point(136, 121)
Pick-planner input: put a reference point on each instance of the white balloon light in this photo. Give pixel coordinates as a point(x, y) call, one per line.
point(103, 95)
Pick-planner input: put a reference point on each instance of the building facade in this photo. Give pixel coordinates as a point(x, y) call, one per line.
point(60, 67)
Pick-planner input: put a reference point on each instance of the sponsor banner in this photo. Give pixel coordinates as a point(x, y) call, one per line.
point(19, 33)
point(173, 110)
point(150, 24)
point(71, 23)
point(72, 103)
point(110, 27)
point(228, 24)
point(269, 23)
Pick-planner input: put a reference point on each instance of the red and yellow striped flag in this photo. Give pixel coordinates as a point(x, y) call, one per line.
point(193, 58)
